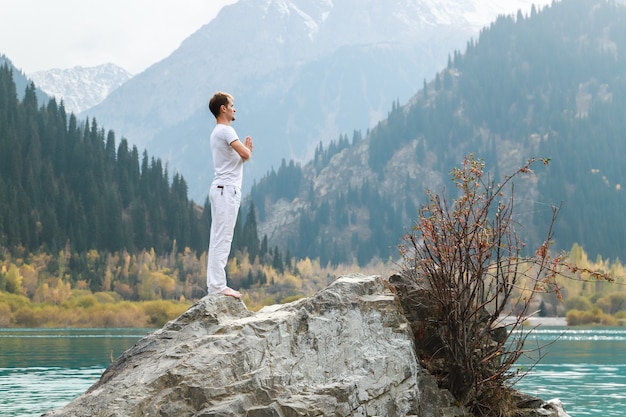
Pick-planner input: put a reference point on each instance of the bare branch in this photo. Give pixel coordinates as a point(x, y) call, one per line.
point(462, 271)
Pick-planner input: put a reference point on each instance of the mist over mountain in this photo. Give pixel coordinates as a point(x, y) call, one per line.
point(548, 84)
point(80, 88)
point(302, 72)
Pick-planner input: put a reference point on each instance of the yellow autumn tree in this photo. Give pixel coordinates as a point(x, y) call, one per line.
point(14, 280)
point(56, 291)
point(148, 287)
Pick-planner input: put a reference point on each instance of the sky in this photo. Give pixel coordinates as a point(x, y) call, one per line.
point(40, 35)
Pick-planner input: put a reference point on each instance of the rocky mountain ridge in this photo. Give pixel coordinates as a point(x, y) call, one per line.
point(80, 88)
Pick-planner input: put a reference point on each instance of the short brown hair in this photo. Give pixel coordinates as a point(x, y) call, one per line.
point(218, 100)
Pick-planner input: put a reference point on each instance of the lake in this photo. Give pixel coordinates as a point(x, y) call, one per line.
point(585, 368)
point(43, 369)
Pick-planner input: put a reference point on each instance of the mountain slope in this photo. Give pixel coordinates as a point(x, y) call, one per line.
point(506, 100)
point(302, 71)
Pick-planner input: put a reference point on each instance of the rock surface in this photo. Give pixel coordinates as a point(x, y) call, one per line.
point(346, 351)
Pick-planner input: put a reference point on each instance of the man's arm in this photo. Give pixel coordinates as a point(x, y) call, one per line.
point(243, 149)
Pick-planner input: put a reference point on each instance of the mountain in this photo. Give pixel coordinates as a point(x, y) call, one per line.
point(302, 72)
point(550, 84)
point(80, 87)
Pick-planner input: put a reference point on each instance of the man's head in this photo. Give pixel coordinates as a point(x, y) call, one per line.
point(218, 100)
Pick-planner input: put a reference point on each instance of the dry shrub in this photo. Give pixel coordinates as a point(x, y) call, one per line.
point(590, 317)
point(108, 297)
point(123, 314)
point(463, 268)
point(160, 312)
point(6, 316)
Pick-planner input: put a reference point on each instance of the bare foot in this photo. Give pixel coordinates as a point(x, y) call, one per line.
point(230, 292)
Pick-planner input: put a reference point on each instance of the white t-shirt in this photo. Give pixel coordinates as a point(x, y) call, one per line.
point(226, 161)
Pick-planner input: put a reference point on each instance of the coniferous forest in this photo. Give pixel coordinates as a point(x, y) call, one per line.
point(63, 182)
point(549, 84)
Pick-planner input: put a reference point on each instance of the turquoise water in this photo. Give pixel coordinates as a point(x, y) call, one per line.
point(43, 369)
point(585, 368)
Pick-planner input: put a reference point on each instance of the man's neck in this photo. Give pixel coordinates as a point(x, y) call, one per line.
point(223, 121)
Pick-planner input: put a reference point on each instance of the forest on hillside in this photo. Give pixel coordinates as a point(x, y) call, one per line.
point(62, 181)
point(78, 209)
point(549, 84)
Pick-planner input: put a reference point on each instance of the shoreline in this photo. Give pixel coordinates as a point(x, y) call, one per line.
point(546, 321)
point(538, 321)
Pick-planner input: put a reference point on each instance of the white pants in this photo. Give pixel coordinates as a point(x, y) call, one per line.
point(225, 203)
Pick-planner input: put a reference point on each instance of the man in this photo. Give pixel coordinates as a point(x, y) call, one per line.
point(229, 154)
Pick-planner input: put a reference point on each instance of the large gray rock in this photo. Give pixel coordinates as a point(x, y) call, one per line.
point(346, 351)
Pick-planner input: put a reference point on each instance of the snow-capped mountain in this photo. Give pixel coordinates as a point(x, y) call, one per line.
point(302, 72)
point(80, 87)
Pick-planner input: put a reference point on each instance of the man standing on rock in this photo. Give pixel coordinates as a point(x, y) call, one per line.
point(229, 154)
